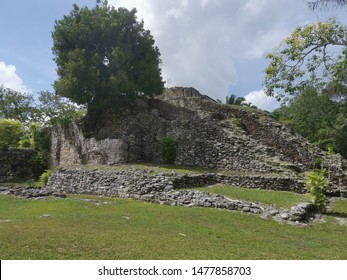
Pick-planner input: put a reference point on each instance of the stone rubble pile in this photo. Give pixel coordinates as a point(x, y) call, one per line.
point(29, 192)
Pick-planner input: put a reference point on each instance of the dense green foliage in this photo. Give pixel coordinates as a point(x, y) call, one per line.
point(16, 105)
point(54, 109)
point(38, 137)
point(168, 149)
point(317, 185)
point(13, 135)
point(39, 163)
point(314, 55)
point(11, 132)
point(103, 55)
point(308, 71)
point(40, 142)
point(50, 108)
point(45, 176)
point(319, 118)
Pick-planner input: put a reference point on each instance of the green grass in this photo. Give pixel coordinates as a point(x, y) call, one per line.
point(129, 229)
point(279, 199)
point(339, 207)
point(155, 169)
point(149, 167)
point(20, 183)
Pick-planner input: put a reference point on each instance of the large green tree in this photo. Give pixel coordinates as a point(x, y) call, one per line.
point(104, 54)
point(313, 55)
point(54, 109)
point(16, 105)
point(318, 117)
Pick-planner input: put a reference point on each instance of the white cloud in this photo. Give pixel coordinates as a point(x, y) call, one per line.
point(199, 40)
point(262, 101)
point(10, 79)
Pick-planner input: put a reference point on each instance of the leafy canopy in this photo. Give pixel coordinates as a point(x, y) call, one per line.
point(48, 109)
point(16, 105)
point(319, 118)
point(103, 54)
point(54, 109)
point(313, 55)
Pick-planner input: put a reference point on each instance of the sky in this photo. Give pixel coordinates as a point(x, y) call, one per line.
point(215, 46)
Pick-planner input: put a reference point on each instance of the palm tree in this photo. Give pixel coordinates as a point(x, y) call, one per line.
point(321, 4)
point(250, 105)
point(234, 100)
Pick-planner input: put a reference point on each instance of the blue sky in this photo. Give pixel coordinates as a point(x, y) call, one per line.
point(216, 46)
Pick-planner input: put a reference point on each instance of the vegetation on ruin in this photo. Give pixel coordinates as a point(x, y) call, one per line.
point(110, 228)
point(168, 149)
point(317, 185)
point(43, 179)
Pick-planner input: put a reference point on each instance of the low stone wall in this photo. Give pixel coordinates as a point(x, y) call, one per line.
point(137, 182)
point(16, 164)
point(246, 181)
point(166, 188)
point(301, 213)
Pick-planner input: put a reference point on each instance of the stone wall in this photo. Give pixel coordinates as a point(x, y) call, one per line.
point(16, 164)
point(170, 189)
point(134, 182)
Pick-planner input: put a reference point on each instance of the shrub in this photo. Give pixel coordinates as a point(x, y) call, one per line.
point(38, 137)
point(31, 183)
point(11, 132)
point(168, 149)
point(39, 163)
point(317, 185)
point(25, 143)
point(44, 177)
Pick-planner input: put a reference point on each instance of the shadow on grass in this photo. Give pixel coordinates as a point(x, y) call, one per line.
point(337, 214)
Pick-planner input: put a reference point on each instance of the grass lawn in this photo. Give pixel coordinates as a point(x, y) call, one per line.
point(21, 183)
point(149, 167)
point(279, 199)
point(128, 229)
